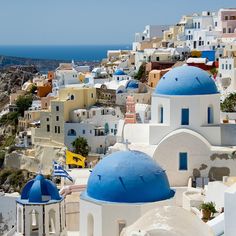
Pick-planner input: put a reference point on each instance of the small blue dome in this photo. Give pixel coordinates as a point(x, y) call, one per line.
point(128, 177)
point(132, 84)
point(186, 80)
point(119, 72)
point(39, 190)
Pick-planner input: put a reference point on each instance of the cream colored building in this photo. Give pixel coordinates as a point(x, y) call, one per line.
point(52, 121)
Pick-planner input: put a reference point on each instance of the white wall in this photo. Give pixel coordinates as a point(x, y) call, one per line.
point(7, 213)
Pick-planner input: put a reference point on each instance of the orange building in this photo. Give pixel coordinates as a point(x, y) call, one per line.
point(154, 76)
point(44, 90)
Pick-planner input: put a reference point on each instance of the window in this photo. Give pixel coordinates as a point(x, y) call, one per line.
point(72, 97)
point(47, 119)
point(229, 30)
point(226, 17)
point(161, 114)
point(199, 25)
point(83, 131)
point(57, 118)
point(222, 66)
point(226, 66)
point(48, 128)
point(55, 129)
point(57, 108)
point(58, 129)
point(216, 24)
point(210, 115)
point(183, 161)
point(224, 30)
point(121, 226)
point(230, 66)
point(71, 132)
point(185, 116)
point(91, 95)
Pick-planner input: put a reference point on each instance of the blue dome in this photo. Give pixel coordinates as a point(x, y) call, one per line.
point(119, 72)
point(132, 84)
point(128, 177)
point(39, 190)
point(186, 80)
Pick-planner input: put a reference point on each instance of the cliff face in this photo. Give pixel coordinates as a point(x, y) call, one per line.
point(11, 80)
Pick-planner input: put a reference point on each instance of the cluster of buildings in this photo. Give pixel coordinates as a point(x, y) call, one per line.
point(157, 103)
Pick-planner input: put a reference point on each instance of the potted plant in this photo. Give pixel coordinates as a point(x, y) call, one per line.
point(226, 120)
point(208, 210)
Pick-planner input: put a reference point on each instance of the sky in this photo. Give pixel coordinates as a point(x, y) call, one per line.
point(85, 22)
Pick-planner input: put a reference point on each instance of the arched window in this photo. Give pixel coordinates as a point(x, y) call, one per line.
point(161, 114)
point(34, 223)
point(72, 97)
point(71, 132)
point(90, 225)
point(210, 118)
point(52, 221)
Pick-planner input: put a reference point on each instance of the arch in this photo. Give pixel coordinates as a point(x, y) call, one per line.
point(52, 221)
point(187, 144)
point(72, 97)
point(90, 225)
point(34, 223)
point(71, 132)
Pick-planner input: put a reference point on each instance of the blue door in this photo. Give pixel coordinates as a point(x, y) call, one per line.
point(183, 161)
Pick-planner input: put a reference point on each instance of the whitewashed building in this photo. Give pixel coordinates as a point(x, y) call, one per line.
point(98, 125)
point(40, 209)
point(121, 188)
point(185, 130)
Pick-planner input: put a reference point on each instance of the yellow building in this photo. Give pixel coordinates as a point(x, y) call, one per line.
point(29, 118)
point(154, 77)
point(52, 120)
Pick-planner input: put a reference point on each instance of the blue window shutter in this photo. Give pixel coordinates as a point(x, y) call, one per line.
point(209, 115)
point(183, 161)
point(185, 116)
point(162, 114)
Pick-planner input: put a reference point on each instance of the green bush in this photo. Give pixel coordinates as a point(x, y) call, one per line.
point(23, 103)
point(229, 104)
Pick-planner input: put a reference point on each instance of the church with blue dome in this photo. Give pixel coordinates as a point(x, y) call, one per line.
point(40, 209)
point(121, 187)
point(185, 129)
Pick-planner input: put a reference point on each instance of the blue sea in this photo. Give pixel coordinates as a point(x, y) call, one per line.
point(77, 53)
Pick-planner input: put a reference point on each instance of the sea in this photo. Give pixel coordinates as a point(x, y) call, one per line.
point(77, 53)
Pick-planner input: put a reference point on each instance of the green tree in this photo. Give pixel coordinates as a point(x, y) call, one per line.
point(229, 104)
point(23, 103)
point(33, 89)
point(141, 75)
point(10, 118)
point(80, 146)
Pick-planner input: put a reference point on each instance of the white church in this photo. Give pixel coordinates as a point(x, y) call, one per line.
point(185, 134)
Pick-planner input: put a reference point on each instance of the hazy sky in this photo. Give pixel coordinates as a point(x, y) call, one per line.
point(71, 22)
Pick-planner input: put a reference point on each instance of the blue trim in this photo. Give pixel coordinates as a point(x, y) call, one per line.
point(183, 161)
point(185, 116)
point(161, 115)
point(209, 115)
